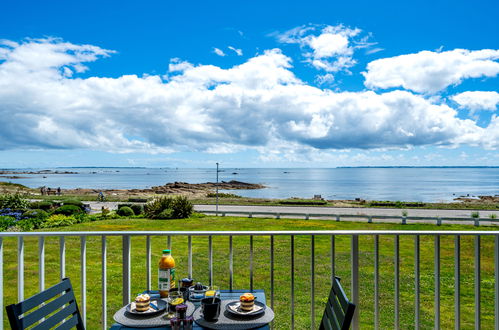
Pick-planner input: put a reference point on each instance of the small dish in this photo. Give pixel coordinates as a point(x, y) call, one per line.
point(160, 304)
point(234, 309)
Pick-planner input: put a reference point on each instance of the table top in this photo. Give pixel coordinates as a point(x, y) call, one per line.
point(224, 294)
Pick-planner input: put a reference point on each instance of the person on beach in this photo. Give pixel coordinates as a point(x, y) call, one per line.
point(101, 196)
point(58, 191)
point(42, 190)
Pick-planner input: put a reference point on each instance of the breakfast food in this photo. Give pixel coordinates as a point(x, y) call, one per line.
point(142, 303)
point(247, 301)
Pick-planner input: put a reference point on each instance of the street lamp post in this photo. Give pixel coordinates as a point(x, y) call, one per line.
point(216, 187)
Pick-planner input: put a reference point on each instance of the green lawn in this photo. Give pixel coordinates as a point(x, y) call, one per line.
point(262, 267)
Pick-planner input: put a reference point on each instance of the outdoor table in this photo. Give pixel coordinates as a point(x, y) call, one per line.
point(225, 295)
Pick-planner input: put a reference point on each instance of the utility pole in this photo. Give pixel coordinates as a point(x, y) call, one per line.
point(216, 187)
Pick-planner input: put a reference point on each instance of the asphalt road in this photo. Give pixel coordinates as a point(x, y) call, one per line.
point(346, 210)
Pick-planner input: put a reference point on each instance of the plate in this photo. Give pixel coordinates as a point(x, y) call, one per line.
point(161, 304)
point(257, 303)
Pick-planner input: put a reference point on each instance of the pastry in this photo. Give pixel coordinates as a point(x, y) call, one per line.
point(247, 301)
point(142, 303)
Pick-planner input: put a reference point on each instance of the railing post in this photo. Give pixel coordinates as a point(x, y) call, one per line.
point(457, 282)
point(189, 261)
point(437, 281)
point(397, 281)
point(272, 271)
point(251, 263)
point(41, 263)
point(104, 282)
point(439, 221)
point(477, 282)
point(404, 220)
point(20, 269)
point(292, 282)
point(126, 269)
point(312, 278)
point(417, 321)
point(369, 219)
point(148, 262)
point(250, 215)
point(278, 216)
point(306, 216)
point(333, 255)
point(1, 281)
point(231, 264)
point(83, 263)
point(376, 282)
point(355, 280)
point(337, 218)
point(62, 257)
point(477, 222)
point(210, 257)
point(496, 286)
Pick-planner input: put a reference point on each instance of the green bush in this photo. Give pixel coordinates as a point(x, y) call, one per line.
point(13, 201)
point(74, 202)
point(475, 215)
point(222, 195)
point(68, 210)
point(6, 222)
point(42, 205)
point(59, 220)
point(137, 209)
point(165, 214)
point(156, 206)
point(36, 213)
point(493, 216)
point(182, 207)
point(120, 205)
point(125, 211)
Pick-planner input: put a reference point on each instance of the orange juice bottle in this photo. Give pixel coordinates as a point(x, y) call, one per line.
point(166, 273)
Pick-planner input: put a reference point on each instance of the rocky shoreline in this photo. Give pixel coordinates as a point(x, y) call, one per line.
point(175, 188)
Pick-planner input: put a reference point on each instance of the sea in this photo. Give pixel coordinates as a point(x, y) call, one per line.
point(425, 184)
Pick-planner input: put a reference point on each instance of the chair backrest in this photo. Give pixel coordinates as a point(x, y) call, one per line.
point(43, 307)
point(338, 313)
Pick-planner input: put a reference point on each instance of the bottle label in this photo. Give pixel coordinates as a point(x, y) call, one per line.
point(166, 279)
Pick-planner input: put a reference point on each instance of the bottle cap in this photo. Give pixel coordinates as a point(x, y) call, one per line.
point(167, 251)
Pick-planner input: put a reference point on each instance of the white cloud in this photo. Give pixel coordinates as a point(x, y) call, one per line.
point(259, 104)
point(238, 51)
point(430, 72)
point(218, 51)
point(329, 48)
point(477, 100)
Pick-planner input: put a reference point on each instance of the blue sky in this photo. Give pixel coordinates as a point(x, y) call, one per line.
point(256, 84)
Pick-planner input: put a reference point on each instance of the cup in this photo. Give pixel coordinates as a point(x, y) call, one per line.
point(211, 308)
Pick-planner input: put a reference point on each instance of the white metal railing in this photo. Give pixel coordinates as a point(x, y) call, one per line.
point(354, 266)
point(370, 218)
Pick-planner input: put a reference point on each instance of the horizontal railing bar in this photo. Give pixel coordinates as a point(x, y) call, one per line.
point(255, 233)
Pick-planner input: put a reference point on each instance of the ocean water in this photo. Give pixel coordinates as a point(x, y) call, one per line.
point(410, 184)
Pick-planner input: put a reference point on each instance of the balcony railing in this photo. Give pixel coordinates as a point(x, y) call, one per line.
point(294, 267)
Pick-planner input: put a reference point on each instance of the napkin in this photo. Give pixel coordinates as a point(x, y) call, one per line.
point(237, 308)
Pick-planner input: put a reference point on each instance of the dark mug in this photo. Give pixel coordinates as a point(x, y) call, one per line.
point(211, 308)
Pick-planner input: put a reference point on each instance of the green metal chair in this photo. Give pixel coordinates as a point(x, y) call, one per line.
point(46, 310)
point(339, 310)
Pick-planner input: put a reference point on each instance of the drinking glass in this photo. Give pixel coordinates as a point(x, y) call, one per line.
point(212, 291)
point(174, 298)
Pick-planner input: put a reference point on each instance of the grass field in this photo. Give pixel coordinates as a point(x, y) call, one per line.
point(262, 267)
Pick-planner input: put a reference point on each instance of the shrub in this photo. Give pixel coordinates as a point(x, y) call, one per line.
point(59, 220)
point(156, 206)
point(120, 205)
point(493, 216)
point(222, 195)
point(74, 202)
point(68, 210)
point(37, 213)
point(475, 215)
point(6, 222)
point(182, 207)
point(137, 209)
point(42, 205)
point(165, 214)
point(125, 211)
point(16, 214)
point(13, 201)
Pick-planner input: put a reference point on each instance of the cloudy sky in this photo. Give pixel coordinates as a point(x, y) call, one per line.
point(255, 84)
